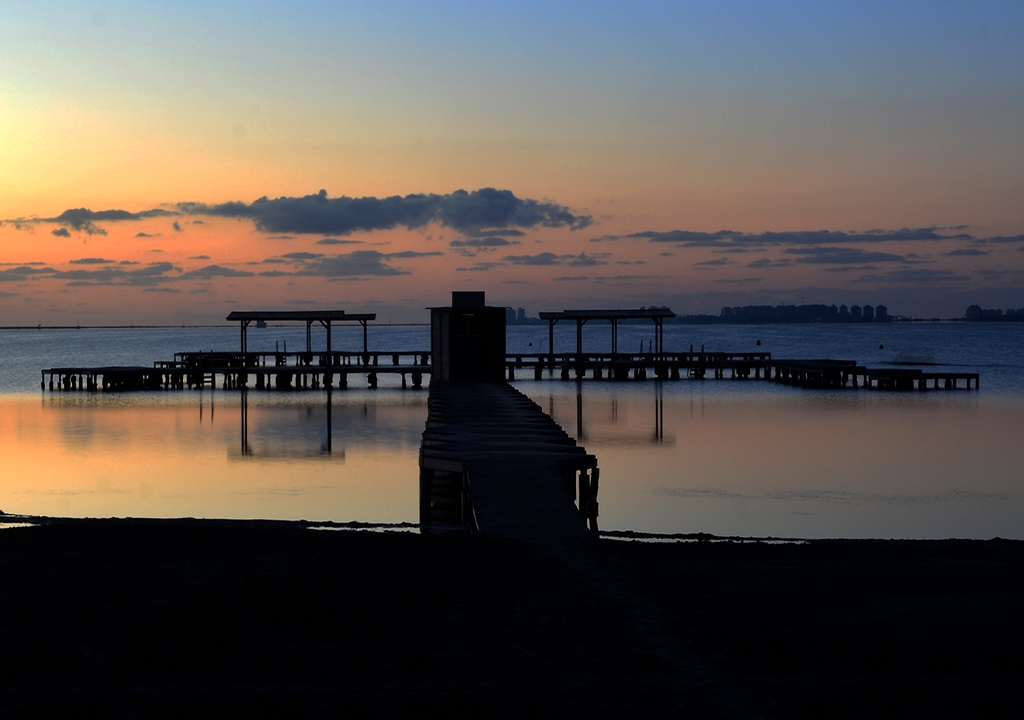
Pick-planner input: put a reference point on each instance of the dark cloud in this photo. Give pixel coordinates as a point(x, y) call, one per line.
point(967, 252)
point(413, 254)
point(336, 241)
point(84, 220)
point(212, 271)
point(840, 256)
point(161, 290)
point(738, 281)
point(570, 278)
point(605, 278)
point(146, 235)
point(714, 263)
point(479, 267)
point(479, 242)
point(851, 268)
point(467, 212)
point(61, 232)
point(545, 258)
point(129, 262)
point(176, 225)
point(768, 262)
point(302, 256)
point(152, 274)
point(916, 276)
point(357, 263)
point(200, 257)
point(733, 239)
point(20, 273)
point(1001, 239)
point(502, 232)
point(584, 260)
point(92, 261)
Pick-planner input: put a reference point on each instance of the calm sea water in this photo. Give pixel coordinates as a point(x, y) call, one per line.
point(727, 457)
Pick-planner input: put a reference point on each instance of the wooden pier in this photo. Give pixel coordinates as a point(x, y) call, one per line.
point(822, 374)
point(314, 370)
point(493, 461)
point(234, 370)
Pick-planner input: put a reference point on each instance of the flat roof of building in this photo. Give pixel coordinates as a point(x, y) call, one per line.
point(649, 313)
point(300, 315)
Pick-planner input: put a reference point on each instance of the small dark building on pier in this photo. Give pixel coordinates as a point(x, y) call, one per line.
point(467, 340)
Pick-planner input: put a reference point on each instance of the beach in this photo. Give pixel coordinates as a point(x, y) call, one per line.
point(166, 617)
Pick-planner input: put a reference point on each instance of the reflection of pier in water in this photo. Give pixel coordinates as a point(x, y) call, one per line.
point(656, 436)
point(285, 447)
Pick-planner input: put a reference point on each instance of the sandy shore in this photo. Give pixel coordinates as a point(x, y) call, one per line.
point(161, 618)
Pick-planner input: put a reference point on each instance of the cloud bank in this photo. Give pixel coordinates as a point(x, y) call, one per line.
point(467, 212)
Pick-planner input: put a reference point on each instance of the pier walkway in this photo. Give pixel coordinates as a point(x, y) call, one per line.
point(299, 370)
point(493, 461)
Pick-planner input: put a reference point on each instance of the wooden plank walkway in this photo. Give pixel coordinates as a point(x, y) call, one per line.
point(492, 460)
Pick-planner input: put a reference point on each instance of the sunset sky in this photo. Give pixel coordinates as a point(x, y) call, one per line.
point(171, 162)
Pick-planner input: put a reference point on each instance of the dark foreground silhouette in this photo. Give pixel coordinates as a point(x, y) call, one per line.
point(167, 618)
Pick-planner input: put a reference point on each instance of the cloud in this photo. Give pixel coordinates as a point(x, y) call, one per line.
point(161, 290)
point(467, 212)
point(20, 273)
point(967, 252)
point(544, 258)
point(479, 267)
point(92, 261)
point(413, 254)
point(151, 274)
point(84, 220)
point(200, 257)
point(479, 242)
point(146, 235)
point(212, 271)
point(916, 276)
point(584, 260)
point(717, 262)
point(335, 241)
point(739, 281)
point(176, 225)
point(734, 239)
point(840, 256)
point(1001, 239)
point(548, 258)
point(61, 232)
point(570, 278)
point(357, 263)
point(767, 262)
point(302, 256)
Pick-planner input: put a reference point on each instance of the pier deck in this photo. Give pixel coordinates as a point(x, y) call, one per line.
point(492, 460)
point(298, 370)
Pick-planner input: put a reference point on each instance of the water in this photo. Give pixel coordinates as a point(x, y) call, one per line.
point(727, 457)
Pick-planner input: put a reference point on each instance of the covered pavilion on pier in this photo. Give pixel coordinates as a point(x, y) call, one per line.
point(581, 317)
point(324, 317)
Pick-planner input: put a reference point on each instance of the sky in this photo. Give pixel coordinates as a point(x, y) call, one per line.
point(171, 162)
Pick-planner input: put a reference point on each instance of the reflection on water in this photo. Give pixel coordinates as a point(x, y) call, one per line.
point(751, 459)
point(213, 454)
point(759, 459)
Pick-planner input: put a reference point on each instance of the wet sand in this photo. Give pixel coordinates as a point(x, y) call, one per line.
point(161, 618)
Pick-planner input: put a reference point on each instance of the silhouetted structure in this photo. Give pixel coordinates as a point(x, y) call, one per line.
point(324, 317)
point(581, 317)
point(467, 340)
